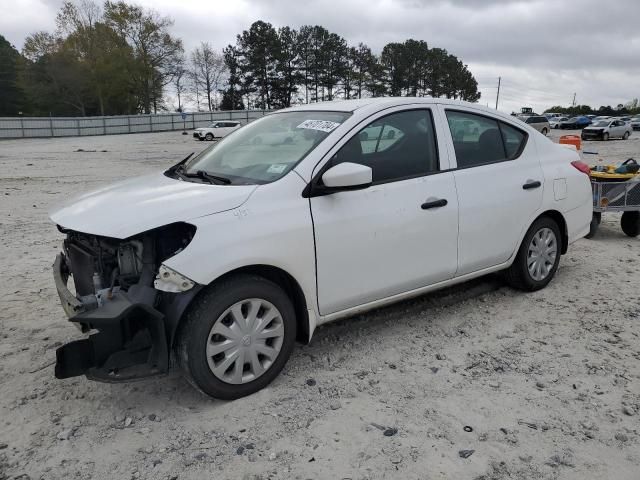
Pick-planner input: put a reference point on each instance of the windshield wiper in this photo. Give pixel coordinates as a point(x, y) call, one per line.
point(213, 179)
point(178, 168)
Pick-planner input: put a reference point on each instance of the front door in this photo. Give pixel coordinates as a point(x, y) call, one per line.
point(400, 233)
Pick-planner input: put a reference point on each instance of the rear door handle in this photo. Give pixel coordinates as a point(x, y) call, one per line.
point(531, 185)
point(441, 202)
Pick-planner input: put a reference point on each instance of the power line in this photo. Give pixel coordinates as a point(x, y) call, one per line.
point(498, 92)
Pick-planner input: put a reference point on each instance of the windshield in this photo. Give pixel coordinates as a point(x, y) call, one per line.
point(601, 123)
point(268, 148)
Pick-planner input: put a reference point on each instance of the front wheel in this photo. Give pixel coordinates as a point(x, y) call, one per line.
point(605, 136)
point(630, 223)
point(237, 337)
point(538, 257)
point(209, 137)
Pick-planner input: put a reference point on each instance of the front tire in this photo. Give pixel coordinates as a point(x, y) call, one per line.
point(209, 137)
point(237, 337)
point(605, 136)
point(538, 257)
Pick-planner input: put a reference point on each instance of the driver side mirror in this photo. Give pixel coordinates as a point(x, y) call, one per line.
point(342, 177)
point(348, 176)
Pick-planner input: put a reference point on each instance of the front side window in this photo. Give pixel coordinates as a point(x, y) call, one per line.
point(397, 146)
point(267, 148)
point(478, 140)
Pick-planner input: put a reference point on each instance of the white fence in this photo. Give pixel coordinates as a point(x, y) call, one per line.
point(33, 127)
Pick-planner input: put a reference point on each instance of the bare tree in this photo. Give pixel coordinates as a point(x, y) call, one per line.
point(209, 69)
point(180, 79)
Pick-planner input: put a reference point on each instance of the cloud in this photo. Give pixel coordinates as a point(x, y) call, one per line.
point(544, 50)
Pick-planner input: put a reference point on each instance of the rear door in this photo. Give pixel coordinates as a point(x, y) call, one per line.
point(499, 182)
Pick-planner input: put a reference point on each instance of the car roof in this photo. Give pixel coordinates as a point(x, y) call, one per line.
point(380, 103)
point(355, 104)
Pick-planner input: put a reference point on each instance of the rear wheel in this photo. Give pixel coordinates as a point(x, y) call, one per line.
point(237, 337)
point(630, 223)
point(625, 136)
point(538, 257)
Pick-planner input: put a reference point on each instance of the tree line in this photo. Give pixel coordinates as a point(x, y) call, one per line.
point(118, 58)
point(630, 108)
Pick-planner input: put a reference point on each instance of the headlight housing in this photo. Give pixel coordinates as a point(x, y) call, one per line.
point(168, 280)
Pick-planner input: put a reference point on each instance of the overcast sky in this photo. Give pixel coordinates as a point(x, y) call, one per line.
point(544, 50)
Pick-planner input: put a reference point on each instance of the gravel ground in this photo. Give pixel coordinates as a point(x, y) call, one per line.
point(476, 382)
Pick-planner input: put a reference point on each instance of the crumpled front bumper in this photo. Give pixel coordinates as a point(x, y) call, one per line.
point(129, 339)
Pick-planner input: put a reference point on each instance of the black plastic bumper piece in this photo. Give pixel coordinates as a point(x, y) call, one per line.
point(130, 343)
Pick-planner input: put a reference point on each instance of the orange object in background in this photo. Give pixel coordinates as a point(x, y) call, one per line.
point(571, 140)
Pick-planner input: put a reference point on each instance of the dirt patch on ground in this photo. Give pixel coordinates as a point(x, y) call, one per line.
point(478, 382)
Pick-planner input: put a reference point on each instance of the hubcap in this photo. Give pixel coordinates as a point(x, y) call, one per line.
point(542, 253)
point(245, 341)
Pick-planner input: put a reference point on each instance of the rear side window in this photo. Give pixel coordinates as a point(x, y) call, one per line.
point(513, 140)
point(479, 140)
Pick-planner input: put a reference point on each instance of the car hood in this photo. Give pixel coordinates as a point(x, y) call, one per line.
point(142, 203)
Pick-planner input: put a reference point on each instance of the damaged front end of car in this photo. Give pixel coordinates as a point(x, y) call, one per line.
point(126, 300)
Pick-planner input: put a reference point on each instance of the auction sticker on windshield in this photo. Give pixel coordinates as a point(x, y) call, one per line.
point(322, 125)
point(276, 168)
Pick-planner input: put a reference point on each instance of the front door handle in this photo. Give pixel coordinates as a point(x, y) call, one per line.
point(441, 202)
point(531, 184)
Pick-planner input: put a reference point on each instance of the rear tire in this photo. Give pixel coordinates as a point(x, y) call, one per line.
point(595, 223)
point(519, 275)
point(197, 335)
point(630, 223)
point(625, 136)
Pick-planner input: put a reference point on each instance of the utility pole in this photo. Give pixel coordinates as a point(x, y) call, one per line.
point(574, 100)
point(498, 92)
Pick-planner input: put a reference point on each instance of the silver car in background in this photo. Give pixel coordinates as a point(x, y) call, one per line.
point(555, 121)
point(605, 129)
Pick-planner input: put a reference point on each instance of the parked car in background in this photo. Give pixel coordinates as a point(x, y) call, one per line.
point(555, 121)
point(635, 123)
point(538, 122)
point(216, 130)
point(224, 260)
point(605, 129)
point(575, 123)
point(551, 115)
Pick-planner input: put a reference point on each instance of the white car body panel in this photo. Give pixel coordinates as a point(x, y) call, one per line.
point(158, 201)
point(371, 246)
point(273, 227)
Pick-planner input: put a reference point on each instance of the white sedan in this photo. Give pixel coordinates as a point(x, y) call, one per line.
point(224, 260)
point(216, 130)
